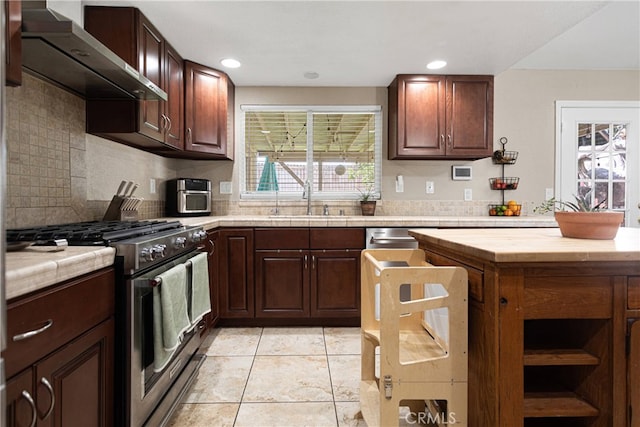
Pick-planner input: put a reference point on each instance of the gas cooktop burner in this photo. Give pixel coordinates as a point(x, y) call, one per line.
point(92, 233)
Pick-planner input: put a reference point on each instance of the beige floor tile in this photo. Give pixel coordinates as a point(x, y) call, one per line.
point(205, 415)
point(291, 341)
point(349, 415)
point(312, 414)
point(233, 341)
point(221, 379)
point(289, 379)
point(342, 340)
point(345, 377)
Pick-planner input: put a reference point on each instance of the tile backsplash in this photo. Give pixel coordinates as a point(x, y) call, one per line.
point(47, 177)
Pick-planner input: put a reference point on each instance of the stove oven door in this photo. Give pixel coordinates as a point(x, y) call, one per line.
point(153, 396)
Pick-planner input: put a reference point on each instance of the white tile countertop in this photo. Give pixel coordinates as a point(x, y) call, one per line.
point(209, 222)
point(36, 267)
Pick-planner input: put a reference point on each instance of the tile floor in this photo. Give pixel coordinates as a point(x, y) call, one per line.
point(306, 376)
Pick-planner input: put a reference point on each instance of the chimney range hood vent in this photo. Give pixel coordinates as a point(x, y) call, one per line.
point(58, 50)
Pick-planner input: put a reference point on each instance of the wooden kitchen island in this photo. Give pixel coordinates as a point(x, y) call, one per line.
point(553, 336)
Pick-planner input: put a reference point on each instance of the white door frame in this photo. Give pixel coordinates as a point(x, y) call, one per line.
point(565, 173)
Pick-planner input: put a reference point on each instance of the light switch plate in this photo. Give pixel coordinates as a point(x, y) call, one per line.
point(468, 195)
point(430, 188)
point(225, 187)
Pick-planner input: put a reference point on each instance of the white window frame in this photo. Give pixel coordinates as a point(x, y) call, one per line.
point(311, 109)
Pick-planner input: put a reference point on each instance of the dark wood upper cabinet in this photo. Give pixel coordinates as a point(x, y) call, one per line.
point(440, 117)
point(209, 103)
point(155, 126)
point(13, 41)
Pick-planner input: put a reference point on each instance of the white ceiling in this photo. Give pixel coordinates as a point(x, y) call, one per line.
point(366, 43)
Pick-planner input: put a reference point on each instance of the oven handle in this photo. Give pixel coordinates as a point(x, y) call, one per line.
point(156, 281)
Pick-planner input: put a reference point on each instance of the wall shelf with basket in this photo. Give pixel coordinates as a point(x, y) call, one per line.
point(503, 183)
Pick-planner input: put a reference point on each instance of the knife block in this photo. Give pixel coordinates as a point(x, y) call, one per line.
point(113, 211)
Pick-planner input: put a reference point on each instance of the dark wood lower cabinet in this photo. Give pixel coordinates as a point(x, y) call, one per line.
point(335, 283)
point(282, 283)
point(633, 370)
point(62, 376)
point(213, 252)
point(308, 274)
point(236, 273)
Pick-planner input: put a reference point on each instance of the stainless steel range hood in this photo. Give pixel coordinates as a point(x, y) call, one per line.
point(58, 50)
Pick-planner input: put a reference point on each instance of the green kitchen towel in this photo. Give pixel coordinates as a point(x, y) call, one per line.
point(170, 318)
point(200, 302)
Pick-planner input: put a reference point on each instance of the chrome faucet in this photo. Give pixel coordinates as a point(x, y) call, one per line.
point(325, 210)
point(306, 194)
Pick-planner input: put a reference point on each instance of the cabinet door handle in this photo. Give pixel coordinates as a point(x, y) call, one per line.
point(313, 262)
point(163, 121)
point(47, 385)
point(29, 399)
point(442, 137)
point(169, 123)
point(189, 135)
point(25, 335)
point(306, 258)
point(213, 247)
point(449, 140)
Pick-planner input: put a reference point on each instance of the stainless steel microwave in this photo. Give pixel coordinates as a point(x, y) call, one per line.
point(188, 197)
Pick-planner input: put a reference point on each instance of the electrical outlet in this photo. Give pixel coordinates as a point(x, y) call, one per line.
point(430, 187)
point(548, 193)
point(468, 195)
point(399, 184)
point(152, 186)
point(225, 187)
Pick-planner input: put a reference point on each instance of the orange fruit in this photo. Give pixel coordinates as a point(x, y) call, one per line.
point(508, 212)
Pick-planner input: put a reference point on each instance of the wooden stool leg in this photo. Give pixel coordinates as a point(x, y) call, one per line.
point(367, 359)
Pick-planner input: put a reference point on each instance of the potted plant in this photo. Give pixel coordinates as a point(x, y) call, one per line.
point(367, 203)
point(581, 220)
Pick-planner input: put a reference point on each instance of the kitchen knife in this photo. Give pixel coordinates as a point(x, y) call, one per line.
point(133, 190)
point(121, 188)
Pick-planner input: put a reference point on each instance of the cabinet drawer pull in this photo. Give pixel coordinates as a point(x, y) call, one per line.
point(47, 385)
point(30, 334)
point(29, 399)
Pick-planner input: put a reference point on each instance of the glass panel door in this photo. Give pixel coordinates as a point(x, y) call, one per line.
point(598, 155)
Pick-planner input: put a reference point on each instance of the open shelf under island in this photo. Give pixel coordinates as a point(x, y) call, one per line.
point(553, 336)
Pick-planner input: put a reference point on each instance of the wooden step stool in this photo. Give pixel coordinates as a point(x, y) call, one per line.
point(423, 340)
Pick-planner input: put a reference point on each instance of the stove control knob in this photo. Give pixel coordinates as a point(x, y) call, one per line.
point(158, 251)
point(146, 255)
point(180, 242)
point(199, 236)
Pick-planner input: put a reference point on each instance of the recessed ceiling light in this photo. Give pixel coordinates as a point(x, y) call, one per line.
point(311, 75)
point(230, 63)
point(436, 65)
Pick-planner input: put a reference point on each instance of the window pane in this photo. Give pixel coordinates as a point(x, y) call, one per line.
point(343, 151)
point(601, 163)
point(340, 145)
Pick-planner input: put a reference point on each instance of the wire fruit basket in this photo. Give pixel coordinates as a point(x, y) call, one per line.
point(504, 183)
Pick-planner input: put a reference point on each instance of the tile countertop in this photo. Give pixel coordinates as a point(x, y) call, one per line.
point(36, 267)
point(533, 244)
point(209, 222)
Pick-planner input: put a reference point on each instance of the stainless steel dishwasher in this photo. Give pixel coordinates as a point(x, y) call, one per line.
point(391, 238)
